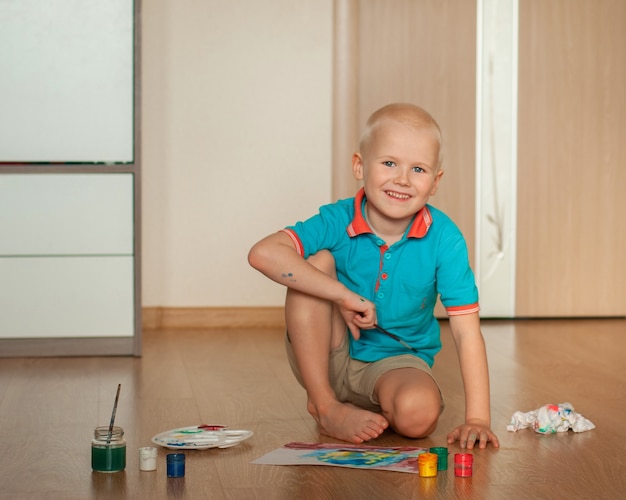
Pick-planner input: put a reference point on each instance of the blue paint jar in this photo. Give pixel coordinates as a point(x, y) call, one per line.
point(176, 465)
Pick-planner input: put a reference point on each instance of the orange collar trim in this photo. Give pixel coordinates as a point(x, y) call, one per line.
point(419, 226)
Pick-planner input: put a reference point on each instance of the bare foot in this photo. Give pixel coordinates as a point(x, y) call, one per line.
point(348, 422)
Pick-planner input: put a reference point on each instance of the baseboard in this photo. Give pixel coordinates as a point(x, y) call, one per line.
point(61, 347)
point(212, 317)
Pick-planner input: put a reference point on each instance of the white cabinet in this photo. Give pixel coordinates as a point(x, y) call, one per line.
point(69, 178)
point(66, 255)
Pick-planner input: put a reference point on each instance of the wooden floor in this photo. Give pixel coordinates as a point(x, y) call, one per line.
point(49, 407)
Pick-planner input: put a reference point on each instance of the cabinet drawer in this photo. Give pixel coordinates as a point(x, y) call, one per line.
point(45, 297)
point(66, 214)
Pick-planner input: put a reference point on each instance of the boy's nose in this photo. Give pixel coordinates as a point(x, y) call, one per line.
point(402, 176)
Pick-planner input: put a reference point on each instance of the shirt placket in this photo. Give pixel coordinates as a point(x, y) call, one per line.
point(383, 272)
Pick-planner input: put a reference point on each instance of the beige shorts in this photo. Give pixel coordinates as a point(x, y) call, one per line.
point(353, 380)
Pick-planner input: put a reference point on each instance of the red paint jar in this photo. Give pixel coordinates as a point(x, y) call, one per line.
point(463, 464)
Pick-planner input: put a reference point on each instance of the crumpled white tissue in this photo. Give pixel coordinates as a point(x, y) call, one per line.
point(550, 419)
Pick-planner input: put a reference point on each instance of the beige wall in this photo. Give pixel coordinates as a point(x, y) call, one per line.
point(237, 114)
point(237, 139)
point(237, 118)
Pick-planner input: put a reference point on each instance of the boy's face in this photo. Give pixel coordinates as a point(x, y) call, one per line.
point(399, 167)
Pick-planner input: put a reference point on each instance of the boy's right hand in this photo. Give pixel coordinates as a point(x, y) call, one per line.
point(358, 313)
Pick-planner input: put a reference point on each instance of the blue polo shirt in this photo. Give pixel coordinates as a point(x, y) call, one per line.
point(402, 280)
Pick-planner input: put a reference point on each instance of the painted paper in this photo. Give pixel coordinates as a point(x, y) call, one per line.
point(399, 459)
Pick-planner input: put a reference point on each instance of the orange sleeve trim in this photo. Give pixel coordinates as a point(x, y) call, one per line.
point(295, 240)
point(460, 310)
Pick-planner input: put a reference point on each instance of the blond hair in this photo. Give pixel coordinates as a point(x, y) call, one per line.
point(412, 116)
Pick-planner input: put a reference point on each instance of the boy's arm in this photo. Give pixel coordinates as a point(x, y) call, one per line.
point(276, 257)
point(470, 347)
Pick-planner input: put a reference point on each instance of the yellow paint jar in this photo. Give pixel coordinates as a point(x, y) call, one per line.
point(427, 464)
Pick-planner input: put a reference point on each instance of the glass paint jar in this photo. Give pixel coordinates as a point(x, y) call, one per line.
point(147, 458)
point(108, 451)
point(427, 464)
point(442, 457)
point(176, 465)
point(463, 464)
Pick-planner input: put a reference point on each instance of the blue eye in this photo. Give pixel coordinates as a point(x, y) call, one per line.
point(418, 170)
point(389, 163)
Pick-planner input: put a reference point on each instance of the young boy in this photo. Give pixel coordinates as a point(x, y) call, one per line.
point(379, 261)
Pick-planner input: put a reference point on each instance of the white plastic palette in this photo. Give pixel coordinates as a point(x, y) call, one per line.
point(201, 437)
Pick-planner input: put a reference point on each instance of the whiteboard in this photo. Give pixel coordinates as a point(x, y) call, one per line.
point(66, 84)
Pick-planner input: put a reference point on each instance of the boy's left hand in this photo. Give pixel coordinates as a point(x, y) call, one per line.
point(472, 432)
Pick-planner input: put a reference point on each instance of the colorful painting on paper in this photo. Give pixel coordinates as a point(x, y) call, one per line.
point(399, 459)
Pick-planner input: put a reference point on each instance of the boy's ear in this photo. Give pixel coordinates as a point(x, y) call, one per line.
point(438, 176)
point(357, 166)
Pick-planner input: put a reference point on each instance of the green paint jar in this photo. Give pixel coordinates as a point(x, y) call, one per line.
point(442, 457)
point(108, 452)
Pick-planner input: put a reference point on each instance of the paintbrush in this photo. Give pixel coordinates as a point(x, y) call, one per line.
point(117, 397)
point(394, 336)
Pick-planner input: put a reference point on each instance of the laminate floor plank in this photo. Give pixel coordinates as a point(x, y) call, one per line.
point(240, 377)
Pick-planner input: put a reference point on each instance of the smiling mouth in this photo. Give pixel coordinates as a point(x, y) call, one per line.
point(397, 196)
